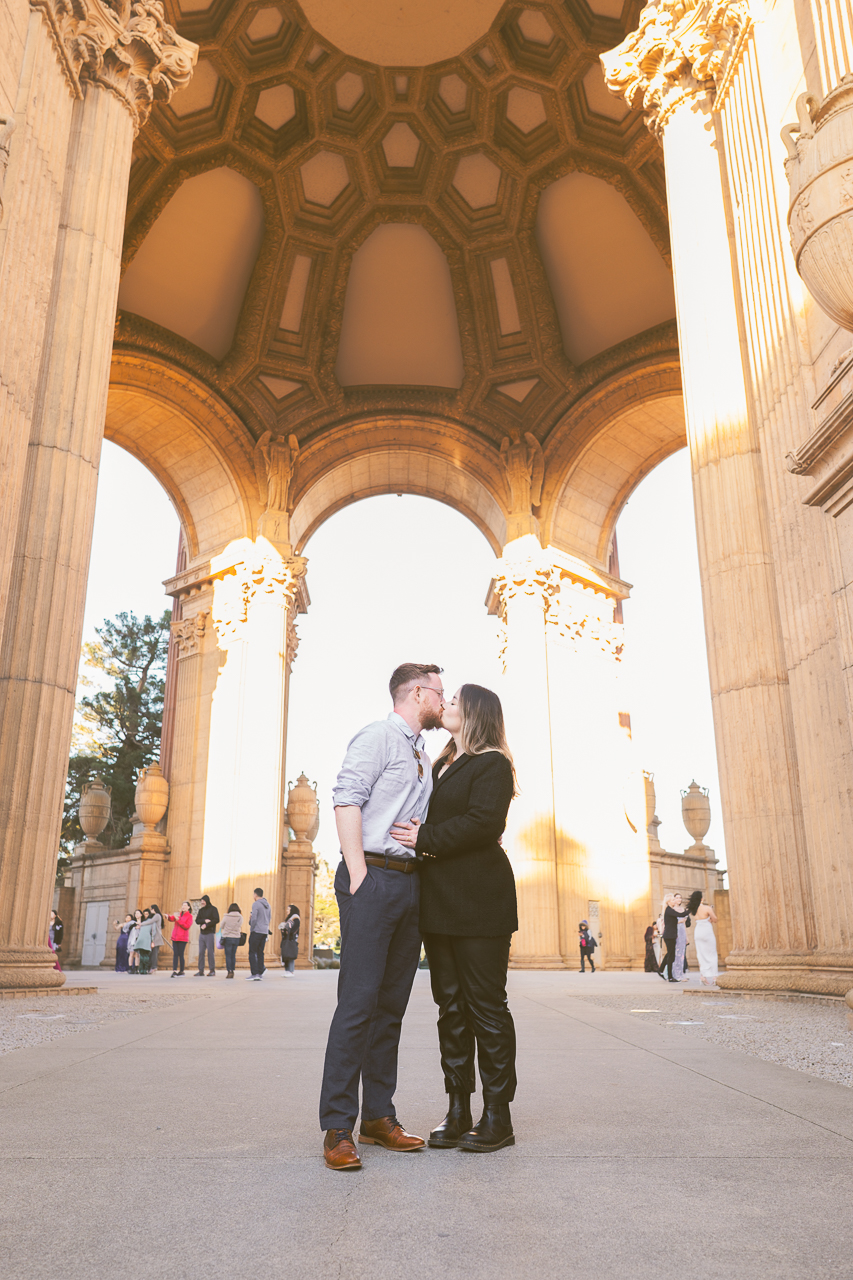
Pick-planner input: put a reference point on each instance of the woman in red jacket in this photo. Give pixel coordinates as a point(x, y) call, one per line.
point(180, 936)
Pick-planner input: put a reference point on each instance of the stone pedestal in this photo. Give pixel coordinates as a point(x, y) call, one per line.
point(298, 873)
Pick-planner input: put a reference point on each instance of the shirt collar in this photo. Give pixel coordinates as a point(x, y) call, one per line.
point(398, 720)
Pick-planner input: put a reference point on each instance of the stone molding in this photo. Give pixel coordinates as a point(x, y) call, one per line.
point(827, 455)
point(188, 635)
point(7, 128)
point(246, 584)
point(681, 49)
point(126, 46)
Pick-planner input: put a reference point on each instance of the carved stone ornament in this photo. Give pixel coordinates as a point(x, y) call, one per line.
point(583, 617)
point(680, 49)
point(7, 128)
point(188, 635)
point(126, 46)
point(239, 589)
point(820, 218)
point(275, 463)
point(528, 577)
point(292, 641)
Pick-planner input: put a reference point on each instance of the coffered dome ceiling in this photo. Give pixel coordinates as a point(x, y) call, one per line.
point(399, 206)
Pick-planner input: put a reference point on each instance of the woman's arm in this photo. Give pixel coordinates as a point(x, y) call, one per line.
point(491, 793)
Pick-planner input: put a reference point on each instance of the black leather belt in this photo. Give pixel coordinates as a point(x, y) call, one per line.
point(406, 865)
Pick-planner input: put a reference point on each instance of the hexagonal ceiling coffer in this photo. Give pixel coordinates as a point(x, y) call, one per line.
point(324, 177)
point(401, 146)
point(599, 98)
point(349, 91)
point(535, 27)
point(453, 92)
point(265, 24)
point(477, 179)
point(276, 106)
point(199, 94)
point(525, 109)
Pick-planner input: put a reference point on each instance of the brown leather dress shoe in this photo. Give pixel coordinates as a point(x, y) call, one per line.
point(388, 1133)
point(339, 1150)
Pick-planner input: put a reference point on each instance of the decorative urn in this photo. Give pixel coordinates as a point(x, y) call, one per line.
point(302, 813)
point(95, 808)
point(820, 218)
point(152, 795)
point(696, 812)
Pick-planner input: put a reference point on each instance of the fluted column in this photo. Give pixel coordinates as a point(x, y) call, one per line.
point(119, 62)
point(523, 588)
point(254, 593)
point(670, 65)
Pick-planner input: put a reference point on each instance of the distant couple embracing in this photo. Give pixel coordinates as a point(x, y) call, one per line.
point(422, 859)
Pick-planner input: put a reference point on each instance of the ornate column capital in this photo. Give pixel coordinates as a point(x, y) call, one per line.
point(126, 46)
point(681, 49)
point(188, 635)
point(242, 587)
point(583, 618)
point(529, 577)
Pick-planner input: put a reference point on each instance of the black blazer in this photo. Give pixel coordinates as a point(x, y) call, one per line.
point(671, 918)
point(467, 885)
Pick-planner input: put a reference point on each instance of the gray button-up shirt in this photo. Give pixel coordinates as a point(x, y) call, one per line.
point(380, 775)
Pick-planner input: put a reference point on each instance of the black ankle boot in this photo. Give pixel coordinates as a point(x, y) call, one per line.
point(455, 1123)
point(493, 1131)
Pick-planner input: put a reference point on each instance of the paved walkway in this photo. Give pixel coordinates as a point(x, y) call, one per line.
point(183, 1142)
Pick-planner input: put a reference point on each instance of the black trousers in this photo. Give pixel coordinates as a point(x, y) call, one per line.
point(178, 949)
point(586, 954)
point(668, 959)
point(468, 977)
point(380, 949)
point(257, 942)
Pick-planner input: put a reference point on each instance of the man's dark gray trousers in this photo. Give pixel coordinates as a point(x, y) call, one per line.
point(380, 949)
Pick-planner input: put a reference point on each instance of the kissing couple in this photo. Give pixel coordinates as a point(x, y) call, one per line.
point(421, 858)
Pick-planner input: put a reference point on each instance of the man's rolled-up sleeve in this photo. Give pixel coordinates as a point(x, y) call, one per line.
point(363, 763)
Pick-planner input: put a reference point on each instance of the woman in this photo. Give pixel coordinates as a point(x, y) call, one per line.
point(232, 928)
point(54, 937)
point(123, 931)
point(183, 921)
point(157, 938)
point(679, 965)
point(703, 937)
point(290, 940)
point(586, 942)
point(142, 946)
point(468, 914)
point(651, 963)
point(132, 957)
point(671, 916)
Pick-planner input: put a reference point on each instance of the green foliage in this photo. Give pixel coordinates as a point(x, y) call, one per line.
point(327, 922)
point(117, 731)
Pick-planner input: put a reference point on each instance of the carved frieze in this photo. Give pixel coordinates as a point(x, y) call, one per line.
point(126, 46)
point(681, 48)
point(188, 635)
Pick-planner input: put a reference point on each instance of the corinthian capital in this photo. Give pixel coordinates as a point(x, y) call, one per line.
point(524, 576)
point(242, 587)
point(126, 46)
point(681, 48)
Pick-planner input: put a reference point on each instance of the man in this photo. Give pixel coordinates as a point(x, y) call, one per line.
point(259, 927)
point(207, 918)
point(385, 779)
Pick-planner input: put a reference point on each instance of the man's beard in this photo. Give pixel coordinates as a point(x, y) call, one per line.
point(430, 719)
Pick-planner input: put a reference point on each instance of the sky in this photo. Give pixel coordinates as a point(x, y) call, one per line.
point(404, 579)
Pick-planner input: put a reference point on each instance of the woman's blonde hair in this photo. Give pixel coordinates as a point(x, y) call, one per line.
point(482, 727)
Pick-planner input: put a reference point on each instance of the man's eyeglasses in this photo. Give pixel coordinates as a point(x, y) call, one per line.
point(427, 688)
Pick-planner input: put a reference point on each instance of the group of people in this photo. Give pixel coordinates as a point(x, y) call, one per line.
point(422, 860)
point(140, 938)
point(669, 933)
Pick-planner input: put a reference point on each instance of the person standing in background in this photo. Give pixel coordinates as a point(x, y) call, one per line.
point(180, 937)
point(157, 938)
point(671, 916)
point(259, 928)
point(290, 940)
point(680, 963)
point(54, 937)
point(132, 957)
point(232, 931)
point(703, 937)
point(123, 931)
point(207, 918)
point(143, 942)
point(651, 961)
point(587, 945)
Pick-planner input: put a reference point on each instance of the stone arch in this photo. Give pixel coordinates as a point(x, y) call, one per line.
point(606, 469)
point(189, 439)
point(442, 461)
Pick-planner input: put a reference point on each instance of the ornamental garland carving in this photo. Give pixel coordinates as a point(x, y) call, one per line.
point(126, 46)
point(239, 589)
point(680, 48)
point(189, 634)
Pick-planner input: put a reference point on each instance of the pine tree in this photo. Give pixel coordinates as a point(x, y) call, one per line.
point(117, 731)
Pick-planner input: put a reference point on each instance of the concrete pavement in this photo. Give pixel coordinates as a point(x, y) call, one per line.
point(184, 1142)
